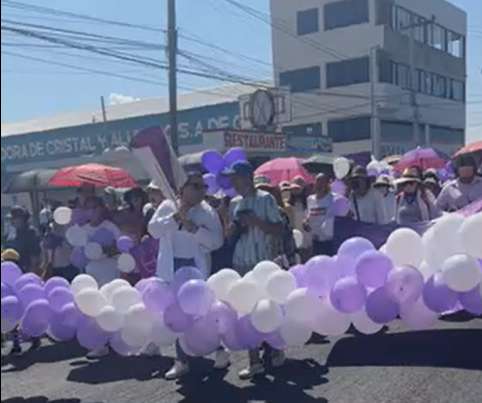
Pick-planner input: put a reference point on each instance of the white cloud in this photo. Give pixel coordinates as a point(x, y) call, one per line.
point(117, 99)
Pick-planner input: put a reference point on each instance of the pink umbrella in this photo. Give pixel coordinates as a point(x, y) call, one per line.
point(424, 158)
point(283, 169)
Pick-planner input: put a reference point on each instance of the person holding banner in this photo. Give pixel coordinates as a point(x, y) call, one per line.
point(188, 231)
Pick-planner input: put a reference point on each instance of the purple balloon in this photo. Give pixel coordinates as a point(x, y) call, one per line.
point(235, 154)
point(380, 307)
point(195, 297)
point(299, 272)
point(348, 295)
point(37, 318)
point(10, 273)
point(404, 284)
point(212, 161)
point(59, 297)
point(55, 282)
point(231, 192)
point(125, 243)
point(320, 275)
point(224, 182)
point(247, 333)
point(354, 247)
point(372, 268)
point(12, 309)
point(78, 258)
point(341, 206)
point(60, 331)
point(103, 237)
point(471, 301)
point(80, 216)
point(231, 340)
point(27, 278)
point(338, 187)
point(183, 275)
point(31, 293)
point(157, 296)
point(437, 296)
point(90, 335)
point(223, 316)
point(118, 344)
point(7, 290)
point(70, 315)
point(176, 320)
point(203, 337)
point(275, 340)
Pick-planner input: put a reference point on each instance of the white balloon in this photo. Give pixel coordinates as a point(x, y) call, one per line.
point(220, 282)
point(364, 324)
point(83, 282)
point(90, 302)
point(93, 251)
point(295, 333)
point(427, 270)
point(125, 297)
point(267, 316)
point(126, 263)
point(76, 235)
point(404, 246)
point(418, 316)
point(461, 273)
point(139, 317)
point(471, 235)
point(161, 335)
point(109, 319)
point(330, 322)
point(298, 237)
point(243, 296)
point(108, 289)
point(280, 285)
point(262, 271)
point(63, 215)
point(341, 167)
point(134, 337)
point(301, 306)
point(374, 168)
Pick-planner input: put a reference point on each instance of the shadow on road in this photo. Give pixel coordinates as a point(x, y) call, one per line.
point(451, 348)
point(39, 399)
point(287, 384)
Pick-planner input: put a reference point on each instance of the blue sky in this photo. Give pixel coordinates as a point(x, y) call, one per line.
point(33, 89)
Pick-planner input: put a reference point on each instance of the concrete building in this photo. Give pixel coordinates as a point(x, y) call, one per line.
point(327, 51)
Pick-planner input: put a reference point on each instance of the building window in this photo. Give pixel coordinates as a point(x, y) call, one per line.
point(457, 90)
point(401, 19)
point(396, 132)
point(439, 86)
point(348, 72)
point(307, 21)
point(426, 83)
point(307, 130)
point(455, 43)
point(344, 13)
point(437, 37)
point(349, 129)
point(302, 79)
point(446, 135)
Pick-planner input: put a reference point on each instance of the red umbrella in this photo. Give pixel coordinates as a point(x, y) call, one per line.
point(93, 174)
point(424, 158)
point(283, 169)
point(469, 149)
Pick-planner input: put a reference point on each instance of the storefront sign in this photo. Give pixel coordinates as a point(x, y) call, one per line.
point(310, 144)
point(255, 141)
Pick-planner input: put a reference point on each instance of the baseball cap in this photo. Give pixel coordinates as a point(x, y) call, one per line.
point(241, 168)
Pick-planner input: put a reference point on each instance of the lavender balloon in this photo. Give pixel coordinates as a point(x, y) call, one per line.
point(437, 296)
point(70, 315)
point(223, 316)
point(341, 206)
point(248, 335)
point(78, 258)
point(118, 344)
point(338, 187)
point(142, 284)
point(59, 297)
point(275, 340)
point(157, 296)
point(404, 284)
point(348, 295)
point(183, 275)
point(60, 331)
point(90, 335)
point(224, 182)
point(380, 307)
point(354, 247)
point(25, 279)
point(195, 297)
point(372, 268)
point(231, 340)
point(37, 318)
point(472, 301)
point(320, 274)
point(31, 293)
point(125, 244)
point(12, 310)
point(299, 272)
point(233, 155)
point(10, 273)
point(213, 161)
point(7, 290)
point(202, 338)
point(55, 282)
point(416, 315)
point(176, 320)
point(103, 237)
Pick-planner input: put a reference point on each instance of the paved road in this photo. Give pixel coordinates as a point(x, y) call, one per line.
point(442, 365)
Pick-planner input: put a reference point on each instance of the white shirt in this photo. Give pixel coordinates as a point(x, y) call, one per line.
point(369, 208)
point(175, 242)
point(321, 217)
point(390, 204)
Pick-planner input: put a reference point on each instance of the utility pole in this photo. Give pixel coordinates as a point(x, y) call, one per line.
point(375, 119)
point(102, 105)
point(172, 60)
point(413, 90)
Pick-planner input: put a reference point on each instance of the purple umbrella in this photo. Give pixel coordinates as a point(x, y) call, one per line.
point(423, 158)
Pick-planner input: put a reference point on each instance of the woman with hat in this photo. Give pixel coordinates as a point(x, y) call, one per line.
point(384, 186)
point(414, 202)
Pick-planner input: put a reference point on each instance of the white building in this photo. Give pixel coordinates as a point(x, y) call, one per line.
point(327, 50)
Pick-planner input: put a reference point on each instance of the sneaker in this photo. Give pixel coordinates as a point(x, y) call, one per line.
point(151, 350)
point(178, 370)
point(222, 359)
point(99, 353)
point(278, 358)
point(251, 371)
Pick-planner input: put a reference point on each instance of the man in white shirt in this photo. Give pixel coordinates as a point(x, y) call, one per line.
point(320, 220)
point(366, 203)
point(188, 232)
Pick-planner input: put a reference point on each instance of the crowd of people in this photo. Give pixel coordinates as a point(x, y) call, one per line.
point(210, 232)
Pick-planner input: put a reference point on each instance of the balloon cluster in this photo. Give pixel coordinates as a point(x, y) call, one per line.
point(416, 278)
point(214, 162)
